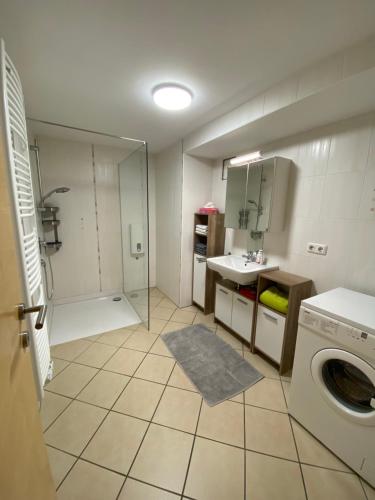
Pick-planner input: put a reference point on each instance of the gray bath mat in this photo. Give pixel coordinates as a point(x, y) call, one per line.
point(214, 367)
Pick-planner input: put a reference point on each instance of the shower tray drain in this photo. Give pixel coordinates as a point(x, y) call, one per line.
point(116, 299)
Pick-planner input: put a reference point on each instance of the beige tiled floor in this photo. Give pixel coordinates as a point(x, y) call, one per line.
point(123, 422)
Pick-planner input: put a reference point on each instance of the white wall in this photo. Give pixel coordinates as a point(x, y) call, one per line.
point(90, 260)
point(196, 191)
point(311, 80)
point(168, 189)
point(331, 200)
point(331, 186)
point(75, 265)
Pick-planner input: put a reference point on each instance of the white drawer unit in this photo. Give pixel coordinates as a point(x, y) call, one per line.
point(242, 316)
point(199, 280)
point(223, 305)
point(270, 333)
point(234, 311)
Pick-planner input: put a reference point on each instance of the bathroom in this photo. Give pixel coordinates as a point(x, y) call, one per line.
point(200, 272)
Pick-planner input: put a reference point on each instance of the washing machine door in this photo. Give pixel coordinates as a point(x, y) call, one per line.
point(347, 383)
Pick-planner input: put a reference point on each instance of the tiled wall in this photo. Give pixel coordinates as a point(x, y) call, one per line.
point(75, 265)
point(90, 261)
point(168, 189)
point(331, 200)
point(315, 78)
point(196, 192)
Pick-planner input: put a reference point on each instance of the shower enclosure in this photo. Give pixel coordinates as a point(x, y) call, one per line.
point(69, 212)
point(91, 197)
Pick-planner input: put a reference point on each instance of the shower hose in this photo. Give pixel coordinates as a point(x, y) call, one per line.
point(44, 265)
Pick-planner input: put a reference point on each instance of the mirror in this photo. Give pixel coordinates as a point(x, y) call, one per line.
point(265, 195)
point(248, 199)
point(236, 197)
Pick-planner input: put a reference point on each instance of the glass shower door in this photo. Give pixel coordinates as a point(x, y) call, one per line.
point(133, 182)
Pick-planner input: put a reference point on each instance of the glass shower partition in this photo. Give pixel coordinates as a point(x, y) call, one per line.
point(133, 184)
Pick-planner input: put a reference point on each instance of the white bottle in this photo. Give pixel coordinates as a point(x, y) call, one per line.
point(260, 257)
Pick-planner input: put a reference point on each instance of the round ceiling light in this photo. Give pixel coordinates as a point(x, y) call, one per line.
point(172, 97)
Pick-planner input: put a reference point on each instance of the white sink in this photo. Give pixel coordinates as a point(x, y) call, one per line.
point(235, 268)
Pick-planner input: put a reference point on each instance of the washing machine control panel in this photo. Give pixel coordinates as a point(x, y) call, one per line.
point(342, 333)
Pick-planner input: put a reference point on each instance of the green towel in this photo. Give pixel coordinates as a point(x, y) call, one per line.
point(275, 298)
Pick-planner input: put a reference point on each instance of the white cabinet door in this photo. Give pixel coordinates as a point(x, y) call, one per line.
point(223, 305)
point(269, 333)
point(242, 316)
point(199, 280)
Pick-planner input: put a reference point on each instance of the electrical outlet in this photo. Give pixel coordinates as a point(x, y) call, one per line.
point(318, 248)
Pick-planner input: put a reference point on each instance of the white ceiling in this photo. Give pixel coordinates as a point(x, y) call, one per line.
point(93, 63)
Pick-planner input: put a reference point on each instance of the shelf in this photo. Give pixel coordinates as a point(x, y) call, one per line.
point(284, 278)
point(54, 244)
point(50, 222)
point(214, 241)
point(48, 210)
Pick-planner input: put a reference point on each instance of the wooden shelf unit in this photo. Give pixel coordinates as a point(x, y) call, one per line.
point(214, 240)
point(298, 288)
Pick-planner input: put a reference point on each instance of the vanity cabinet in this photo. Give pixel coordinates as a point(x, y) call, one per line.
point(223, 305)
point(242, 316)
point(234, 310)
point(274, 333)
point(270, 333)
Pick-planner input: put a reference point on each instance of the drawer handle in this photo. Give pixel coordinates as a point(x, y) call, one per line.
point(270, 316)
point(201, 259)
point(223, 291)
point(242, 301)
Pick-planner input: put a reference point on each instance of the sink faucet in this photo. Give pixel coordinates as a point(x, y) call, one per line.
point(250, 256)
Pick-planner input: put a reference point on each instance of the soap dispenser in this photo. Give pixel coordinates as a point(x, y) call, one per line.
point(260, 257)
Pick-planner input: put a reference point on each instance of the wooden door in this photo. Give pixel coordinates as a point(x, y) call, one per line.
point(24, 468)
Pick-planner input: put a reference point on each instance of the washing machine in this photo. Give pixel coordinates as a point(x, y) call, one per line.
point(333, 382)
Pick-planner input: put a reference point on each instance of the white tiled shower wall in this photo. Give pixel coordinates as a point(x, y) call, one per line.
point(86, 237)
point(331, 199)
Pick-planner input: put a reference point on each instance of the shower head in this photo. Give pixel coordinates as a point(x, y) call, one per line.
point(56, 190)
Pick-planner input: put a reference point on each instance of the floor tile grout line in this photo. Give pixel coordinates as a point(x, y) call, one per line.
point(282, 388)
point(146, 431)
point(67, 473)
point(158, 383)
point(213, 441)
point(165, 386)
point(153, 382)
point(69, 469)
point(70, 402)
point(192, 449)
point(75, 357)
point(363, 489)
point(65, 367)
point(244, 445)
point(79, 456)
point(149, 422)
point(152, 485)
point(108, 411)
point(298, 457)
